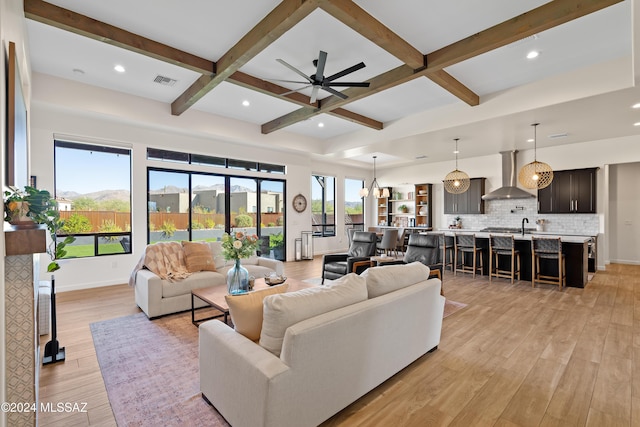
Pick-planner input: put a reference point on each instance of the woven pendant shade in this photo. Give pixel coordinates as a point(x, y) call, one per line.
point(456, 181)
point(535, 175)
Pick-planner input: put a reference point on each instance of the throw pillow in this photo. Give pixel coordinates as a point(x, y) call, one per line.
point(284, 310)
point(197, 257)
point(389, 278)
point(246, 310)
point(216, 252)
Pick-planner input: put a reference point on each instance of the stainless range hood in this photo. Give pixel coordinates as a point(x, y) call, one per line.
point(509, 189)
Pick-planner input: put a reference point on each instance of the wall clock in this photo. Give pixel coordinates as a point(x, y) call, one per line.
point(299, 203)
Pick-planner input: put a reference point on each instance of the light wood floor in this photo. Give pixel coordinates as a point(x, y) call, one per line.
point(516, 356)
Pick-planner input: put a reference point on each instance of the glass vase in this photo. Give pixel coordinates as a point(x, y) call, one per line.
point(237, 279)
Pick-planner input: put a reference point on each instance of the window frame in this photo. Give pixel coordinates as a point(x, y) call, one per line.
point(326, 229)
point(123, 237)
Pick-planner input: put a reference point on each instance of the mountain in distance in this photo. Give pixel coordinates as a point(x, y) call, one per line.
point(102, 195)
point(125, 195)
point(172, 189)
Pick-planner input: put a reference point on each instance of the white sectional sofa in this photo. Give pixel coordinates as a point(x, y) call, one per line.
point(157, 297)
point(328, 360)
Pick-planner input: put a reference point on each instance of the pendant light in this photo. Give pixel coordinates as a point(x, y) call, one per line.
point(535, 175)
point(456, 181)
point(377, 191)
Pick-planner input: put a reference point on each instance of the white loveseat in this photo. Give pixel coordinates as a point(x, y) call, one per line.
point(327, 361)
point(157, 297)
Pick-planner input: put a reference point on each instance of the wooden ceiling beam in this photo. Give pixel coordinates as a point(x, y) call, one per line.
point(356, 18)
point(55, 16)
point(450, 84)
point(65, 19)
point(272, 89)
point(535, 21)
point(281, 19)
point(391, 78)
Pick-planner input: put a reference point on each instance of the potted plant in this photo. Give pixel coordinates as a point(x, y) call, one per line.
point(37, 207)
point(403, 208)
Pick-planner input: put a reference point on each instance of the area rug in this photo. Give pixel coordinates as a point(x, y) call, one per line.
point(151, 373)
point(451, 307)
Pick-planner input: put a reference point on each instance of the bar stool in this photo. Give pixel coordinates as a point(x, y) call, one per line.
point(503, 246)
point(447, 246)
point(466, 244)
point(548, 249)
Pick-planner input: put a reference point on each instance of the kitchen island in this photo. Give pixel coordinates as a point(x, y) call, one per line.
point(575, 249)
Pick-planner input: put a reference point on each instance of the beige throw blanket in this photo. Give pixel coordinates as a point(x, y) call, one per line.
point(165, 260)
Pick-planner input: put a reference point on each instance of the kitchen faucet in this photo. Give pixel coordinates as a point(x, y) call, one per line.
point(523, 221)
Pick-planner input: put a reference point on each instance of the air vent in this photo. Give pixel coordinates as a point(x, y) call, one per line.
point(558, 135)
point(526, 40)
point(164, 81)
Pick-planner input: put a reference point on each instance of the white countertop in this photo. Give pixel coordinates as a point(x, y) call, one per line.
point(518, 236)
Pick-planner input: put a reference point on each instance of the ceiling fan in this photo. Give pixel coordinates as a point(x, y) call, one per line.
point(318, 81)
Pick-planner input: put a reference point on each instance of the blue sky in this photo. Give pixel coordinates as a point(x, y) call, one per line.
point(87, 171)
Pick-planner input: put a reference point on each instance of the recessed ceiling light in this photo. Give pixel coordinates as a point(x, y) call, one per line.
point(636, 124)
point(246, 103)
point(119, 68)
point(320, 125)
point(530, 140)
point(456, 152)
point(636, 105)
point(533, 54)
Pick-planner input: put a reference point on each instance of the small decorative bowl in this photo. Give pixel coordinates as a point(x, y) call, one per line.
point(272, 281)
point(421, 192)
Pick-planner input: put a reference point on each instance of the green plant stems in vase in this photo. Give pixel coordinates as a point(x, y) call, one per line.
point(237, 279)
point(235, 246)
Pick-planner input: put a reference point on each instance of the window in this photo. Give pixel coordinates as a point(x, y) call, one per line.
point(353, 205)
point(322, 206)
point(221, 162)
point(187, 205)
point(93, 191)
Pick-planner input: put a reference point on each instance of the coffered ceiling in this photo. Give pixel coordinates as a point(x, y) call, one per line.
point(426, 62)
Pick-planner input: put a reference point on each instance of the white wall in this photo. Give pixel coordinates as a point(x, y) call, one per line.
point(624, 206)
point(66, 118)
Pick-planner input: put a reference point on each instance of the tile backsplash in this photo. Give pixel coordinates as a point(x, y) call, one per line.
point(509, 213)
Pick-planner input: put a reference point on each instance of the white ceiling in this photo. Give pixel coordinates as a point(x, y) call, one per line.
point(417, 116)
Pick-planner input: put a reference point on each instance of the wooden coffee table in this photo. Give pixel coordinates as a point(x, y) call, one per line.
point(214, 297)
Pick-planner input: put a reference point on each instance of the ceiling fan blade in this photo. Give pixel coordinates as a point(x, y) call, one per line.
point(348, 84)
point(294, 69)
point(346, 71)
point(335, 92)
point(287, 81)
point(314, 94)
point(322, 60)
point(295, 90)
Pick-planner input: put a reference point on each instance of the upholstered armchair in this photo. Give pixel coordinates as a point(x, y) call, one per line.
point(424, 248)
point(362, 248)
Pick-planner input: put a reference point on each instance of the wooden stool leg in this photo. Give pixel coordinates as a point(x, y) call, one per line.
point(473, 263)
point(513, 272)
point(491, 266)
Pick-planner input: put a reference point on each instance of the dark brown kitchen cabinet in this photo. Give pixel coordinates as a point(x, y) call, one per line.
point(469, 202)
point(571, 191)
